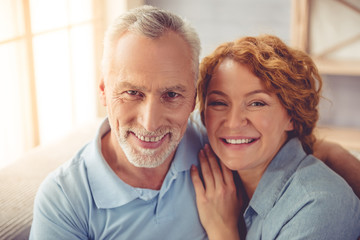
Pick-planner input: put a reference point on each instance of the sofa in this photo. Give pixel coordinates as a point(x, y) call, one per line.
point(20, 180)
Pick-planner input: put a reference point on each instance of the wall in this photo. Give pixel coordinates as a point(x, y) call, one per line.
point(341, 103)
point(218, 21)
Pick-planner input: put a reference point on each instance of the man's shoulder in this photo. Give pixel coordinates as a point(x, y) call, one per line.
point(73, 165)
point(71, 176)
point(64, 192)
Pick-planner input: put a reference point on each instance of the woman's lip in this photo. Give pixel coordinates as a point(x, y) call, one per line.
point(238, 140)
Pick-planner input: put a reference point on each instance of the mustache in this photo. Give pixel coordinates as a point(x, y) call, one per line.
point(143, 132)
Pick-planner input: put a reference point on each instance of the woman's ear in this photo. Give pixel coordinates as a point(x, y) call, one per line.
point(290, 125)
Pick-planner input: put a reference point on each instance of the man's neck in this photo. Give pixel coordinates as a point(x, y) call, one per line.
point(150, 178)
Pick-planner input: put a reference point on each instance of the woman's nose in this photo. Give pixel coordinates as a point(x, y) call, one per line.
point(236, 118)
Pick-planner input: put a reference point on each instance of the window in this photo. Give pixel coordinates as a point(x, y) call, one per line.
point(50, 56)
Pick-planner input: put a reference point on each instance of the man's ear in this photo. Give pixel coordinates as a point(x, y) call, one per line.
point(194, 104)
point(102, 91)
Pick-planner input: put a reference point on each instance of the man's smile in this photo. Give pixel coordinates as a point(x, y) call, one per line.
point(149, 138)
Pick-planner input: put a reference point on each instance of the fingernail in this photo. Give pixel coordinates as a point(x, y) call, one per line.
point(201, 152)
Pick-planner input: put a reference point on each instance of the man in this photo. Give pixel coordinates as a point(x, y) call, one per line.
point(133, 181)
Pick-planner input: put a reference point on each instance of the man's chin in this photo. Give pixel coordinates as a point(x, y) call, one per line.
point(143, 157)
point(149, 158)
point(146, 161)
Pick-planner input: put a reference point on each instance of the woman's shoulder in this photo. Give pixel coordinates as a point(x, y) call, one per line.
point(315, 201)
point(313, 181)
point(314, 177)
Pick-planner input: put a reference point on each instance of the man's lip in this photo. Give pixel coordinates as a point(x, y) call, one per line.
point(151, 139)
point(150, 144)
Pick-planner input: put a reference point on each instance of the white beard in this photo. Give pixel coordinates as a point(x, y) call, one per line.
point(148, 158)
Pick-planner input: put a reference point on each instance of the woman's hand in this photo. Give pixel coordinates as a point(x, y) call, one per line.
point(217, 200)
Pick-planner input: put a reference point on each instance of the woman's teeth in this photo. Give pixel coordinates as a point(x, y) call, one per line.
point(239, 141)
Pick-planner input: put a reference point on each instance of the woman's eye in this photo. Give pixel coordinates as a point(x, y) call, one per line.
point(216, 103)
point(257, 104)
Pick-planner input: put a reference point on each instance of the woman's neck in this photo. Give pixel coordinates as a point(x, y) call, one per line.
point(250, 180)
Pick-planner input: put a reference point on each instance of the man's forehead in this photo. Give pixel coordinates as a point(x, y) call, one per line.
point(170, 43)
point(153, 63)
point(172, 78)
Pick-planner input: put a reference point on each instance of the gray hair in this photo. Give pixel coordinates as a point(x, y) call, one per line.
point(151, 22)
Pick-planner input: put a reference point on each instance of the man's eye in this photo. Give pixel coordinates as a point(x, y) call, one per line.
point(172, 94)
point(132, 92)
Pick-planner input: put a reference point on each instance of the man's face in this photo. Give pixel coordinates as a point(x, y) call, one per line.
point(149, 96)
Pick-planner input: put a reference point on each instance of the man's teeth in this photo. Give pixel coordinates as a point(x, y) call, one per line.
point(238, 141)
point(149, 139)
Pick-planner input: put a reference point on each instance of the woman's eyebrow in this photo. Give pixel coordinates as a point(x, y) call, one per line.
point(258, 91)
point(217, 92)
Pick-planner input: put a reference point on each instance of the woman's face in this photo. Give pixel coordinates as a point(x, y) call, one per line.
point(246, 124)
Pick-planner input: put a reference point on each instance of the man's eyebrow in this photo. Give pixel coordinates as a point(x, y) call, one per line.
point(177, 88)
point(129, 85)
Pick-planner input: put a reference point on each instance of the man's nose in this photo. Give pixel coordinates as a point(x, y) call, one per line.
point(150, 114)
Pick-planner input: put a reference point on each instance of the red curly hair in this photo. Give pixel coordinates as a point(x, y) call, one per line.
point(289, 73)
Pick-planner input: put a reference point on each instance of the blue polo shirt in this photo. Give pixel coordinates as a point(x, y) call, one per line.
point(84, 199)
point(298, 197)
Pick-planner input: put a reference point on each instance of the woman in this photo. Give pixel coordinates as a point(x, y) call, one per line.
point(258, 100)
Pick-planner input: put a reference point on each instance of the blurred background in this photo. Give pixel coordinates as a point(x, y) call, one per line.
point(50, 53)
